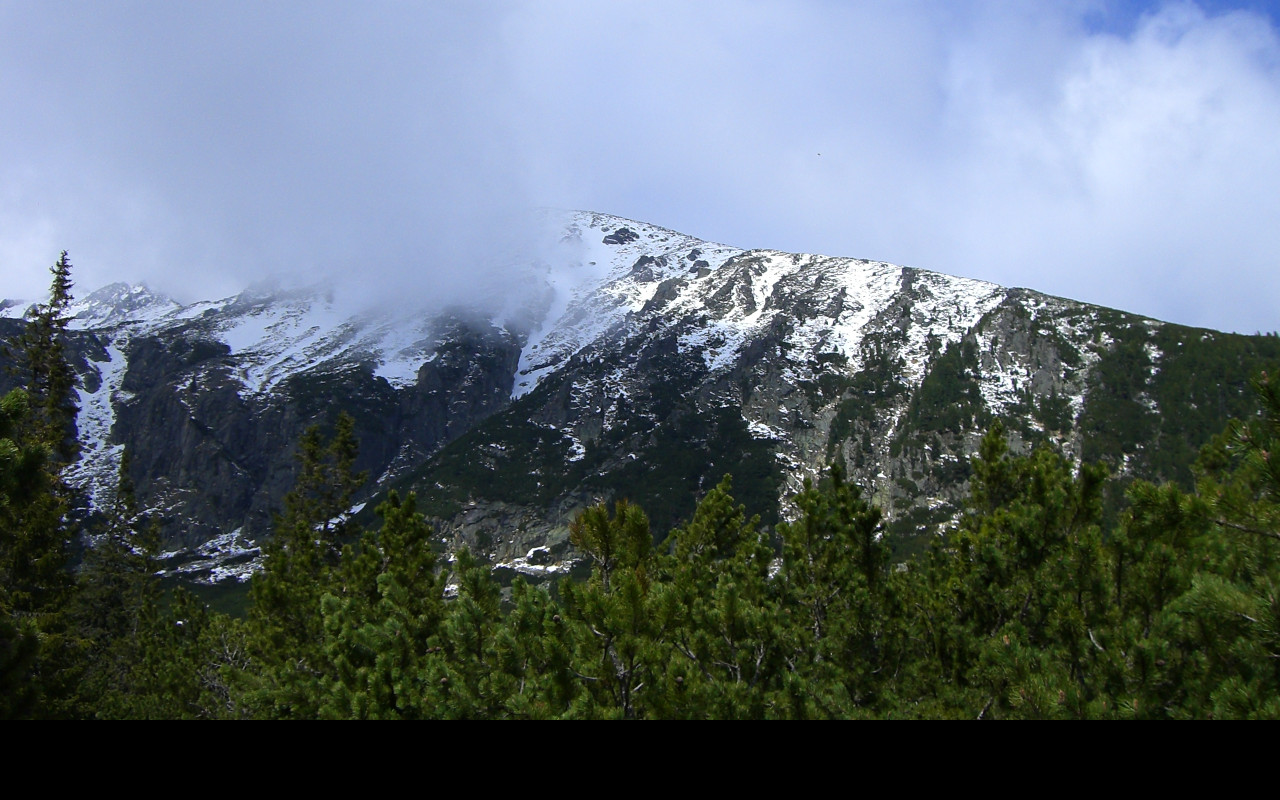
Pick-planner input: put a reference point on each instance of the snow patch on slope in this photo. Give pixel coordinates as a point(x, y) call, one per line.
point(946, 310)
point(596, 285)
point(97, 470)
point(275, 340)
point(120, 304)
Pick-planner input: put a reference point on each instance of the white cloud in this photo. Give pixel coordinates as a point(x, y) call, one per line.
point(1131, 163)
point(1142, 178)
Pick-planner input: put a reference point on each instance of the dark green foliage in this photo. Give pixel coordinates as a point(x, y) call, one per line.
point(50, 381)
point(1016, 602)
point(833, 587)
point(670, 466)
point(512, 460)
point(38, 653)
point(1159, 419)
point(33, 552)
point(1153, 421)
point(949, 399)
point(911, 533)
point(193, 665)
point(533, 652)
point(710, 630)
point(506, 459)
point(383, 609)
point(1053, 411)
point(1204, 379)
point(1229, 619)
point(468, 680)
point(614, 617)
point(36, 441)
point(1115, 421)
point(19, 648)
point(325, 489)
point(496, 665)
point(722, 624)
point(286, 628)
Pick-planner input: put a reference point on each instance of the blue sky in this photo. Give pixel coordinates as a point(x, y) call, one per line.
point(1120, 153)
point(1122, 17)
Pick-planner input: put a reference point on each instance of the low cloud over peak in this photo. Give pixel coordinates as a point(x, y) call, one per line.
point(1118, 153)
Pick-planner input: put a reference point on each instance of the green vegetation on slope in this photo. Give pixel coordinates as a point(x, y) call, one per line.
point(1030, 608)
point(1036, 604)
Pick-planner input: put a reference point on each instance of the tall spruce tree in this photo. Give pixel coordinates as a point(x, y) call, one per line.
point(37, 655)
point(50, 379)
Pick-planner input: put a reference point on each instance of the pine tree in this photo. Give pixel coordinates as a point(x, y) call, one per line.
point(1021, 597)
point(612, 616)
point(1226, 625)
point(38, 656)
point(26, 565)
point(285, 620)
point(33, 548)
point(38, 425)
point(50, 379)
point(532, 650)
point(192, 665)
point(724, 622)
point(832, 589)
point(380, 616)
point(467, 681)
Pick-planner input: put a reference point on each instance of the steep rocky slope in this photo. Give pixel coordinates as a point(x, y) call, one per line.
point(633, 362)
point(767, 365)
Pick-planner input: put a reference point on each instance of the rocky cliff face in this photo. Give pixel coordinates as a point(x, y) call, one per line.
point(645, 365)
point(688, 360)
point(210, 400)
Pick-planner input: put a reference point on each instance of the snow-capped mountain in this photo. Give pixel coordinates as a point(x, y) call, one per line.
point(631, 361)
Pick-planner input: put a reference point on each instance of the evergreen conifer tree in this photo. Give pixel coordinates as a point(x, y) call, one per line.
point(832, 585)
point(1024, 589)
point(612, 616)
point(25, 563)
point(285, 622)
point(50, 379)
point(38, 657)
point(1226, 625)
point(467, 680)
point(724, 620)
point(380, 616)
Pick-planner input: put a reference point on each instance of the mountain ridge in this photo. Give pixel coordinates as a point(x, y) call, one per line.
point(629, 360)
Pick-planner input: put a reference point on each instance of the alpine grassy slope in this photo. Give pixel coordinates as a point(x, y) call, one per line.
point(633, 362)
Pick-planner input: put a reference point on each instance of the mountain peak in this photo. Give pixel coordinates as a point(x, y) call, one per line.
point(119, 303)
